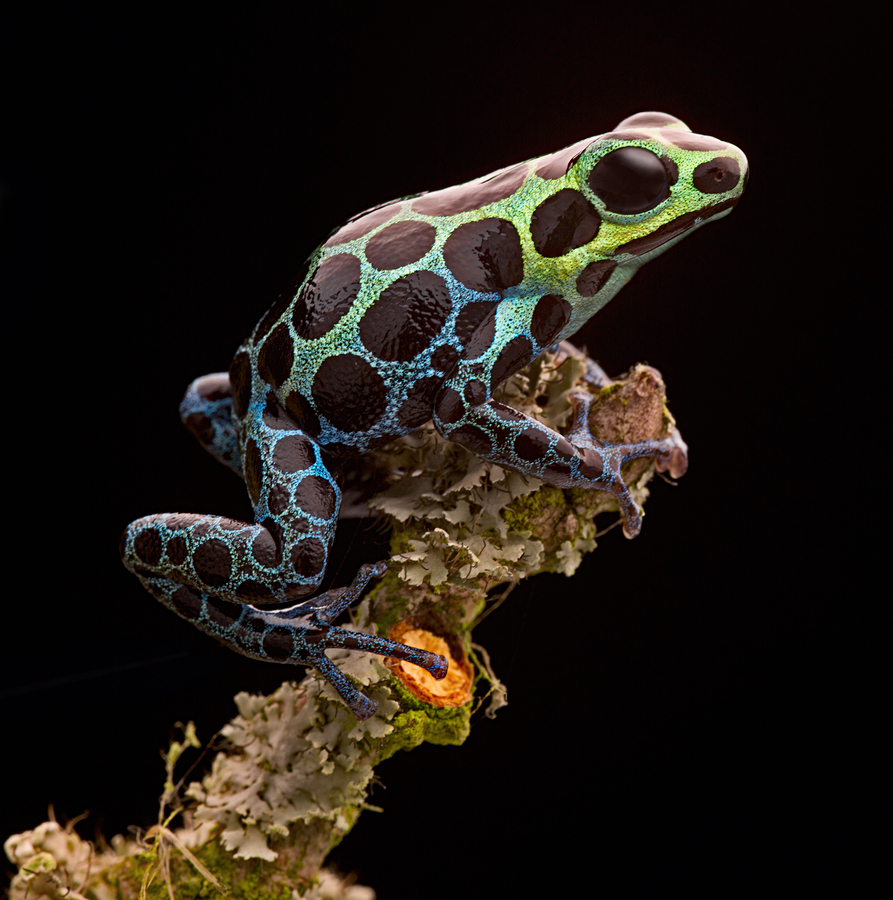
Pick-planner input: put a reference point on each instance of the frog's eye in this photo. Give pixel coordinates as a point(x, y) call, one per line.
point(630, 180)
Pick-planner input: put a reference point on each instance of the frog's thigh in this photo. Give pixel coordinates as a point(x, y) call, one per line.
point(281, 557)
point(207, 412)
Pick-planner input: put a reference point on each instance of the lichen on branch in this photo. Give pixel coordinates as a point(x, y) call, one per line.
point(294, 772)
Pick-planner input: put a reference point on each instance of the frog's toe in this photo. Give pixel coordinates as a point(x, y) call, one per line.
point(363, 707)
point(579, 433)
point(372, 643)
point(438, 666)
point(332, 603)
point(357, 702)
point(675, 460)
point(632, 515)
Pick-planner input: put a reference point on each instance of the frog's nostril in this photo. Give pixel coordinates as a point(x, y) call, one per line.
point(717, 176)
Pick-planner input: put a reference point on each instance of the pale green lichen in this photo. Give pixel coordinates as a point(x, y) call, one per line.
point(55, 862)
point(294, 775)
point(295, 756)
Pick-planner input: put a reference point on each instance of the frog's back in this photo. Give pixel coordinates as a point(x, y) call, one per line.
point(380, 318)
point(387, 306)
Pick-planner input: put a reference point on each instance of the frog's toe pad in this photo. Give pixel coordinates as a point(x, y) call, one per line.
point(676, 460)
point(632, 522)
point(363, 708)
point(438, 666)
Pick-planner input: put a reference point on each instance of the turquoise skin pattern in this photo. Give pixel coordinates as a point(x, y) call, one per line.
point(412, 311)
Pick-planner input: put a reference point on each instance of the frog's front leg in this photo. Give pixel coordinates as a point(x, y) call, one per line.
point(515, 333)
point(218, 573)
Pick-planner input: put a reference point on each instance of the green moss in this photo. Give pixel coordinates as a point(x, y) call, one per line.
point(397, 607)
point(252, 879)
point(608, 390)
point(248, 879)
point(400, 538)
point(419, 722)
point(415, 726)
point(524, 513)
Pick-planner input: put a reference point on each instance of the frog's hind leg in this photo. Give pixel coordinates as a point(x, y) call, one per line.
point(207, 411)
point(299, 634)
point(220, 573)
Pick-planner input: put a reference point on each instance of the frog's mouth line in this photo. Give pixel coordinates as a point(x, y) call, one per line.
point(675, 229)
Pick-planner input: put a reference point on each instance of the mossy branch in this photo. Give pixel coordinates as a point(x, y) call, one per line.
point(294, 773)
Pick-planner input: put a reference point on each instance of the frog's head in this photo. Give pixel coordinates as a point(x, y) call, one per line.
point(652, 181)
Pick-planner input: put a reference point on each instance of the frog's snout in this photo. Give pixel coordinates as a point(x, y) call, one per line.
point(739, 161)
point(723, 174)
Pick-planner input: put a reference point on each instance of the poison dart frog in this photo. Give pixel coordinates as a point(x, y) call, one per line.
point(411, 311)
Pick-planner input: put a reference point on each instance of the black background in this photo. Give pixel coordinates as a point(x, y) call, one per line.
point(168, 173)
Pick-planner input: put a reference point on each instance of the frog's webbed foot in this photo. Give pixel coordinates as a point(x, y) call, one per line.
point(328, 606)
point(671, 454)
point(307, 626)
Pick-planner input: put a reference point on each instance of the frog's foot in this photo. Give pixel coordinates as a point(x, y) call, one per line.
point(328, 606)
point(602, 461)
point(360, 705)
point(298, 635)
point(310, 621)
point(207, 411)
point(307, 627)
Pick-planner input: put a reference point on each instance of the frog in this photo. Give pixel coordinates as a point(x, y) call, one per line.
point(412, 311)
